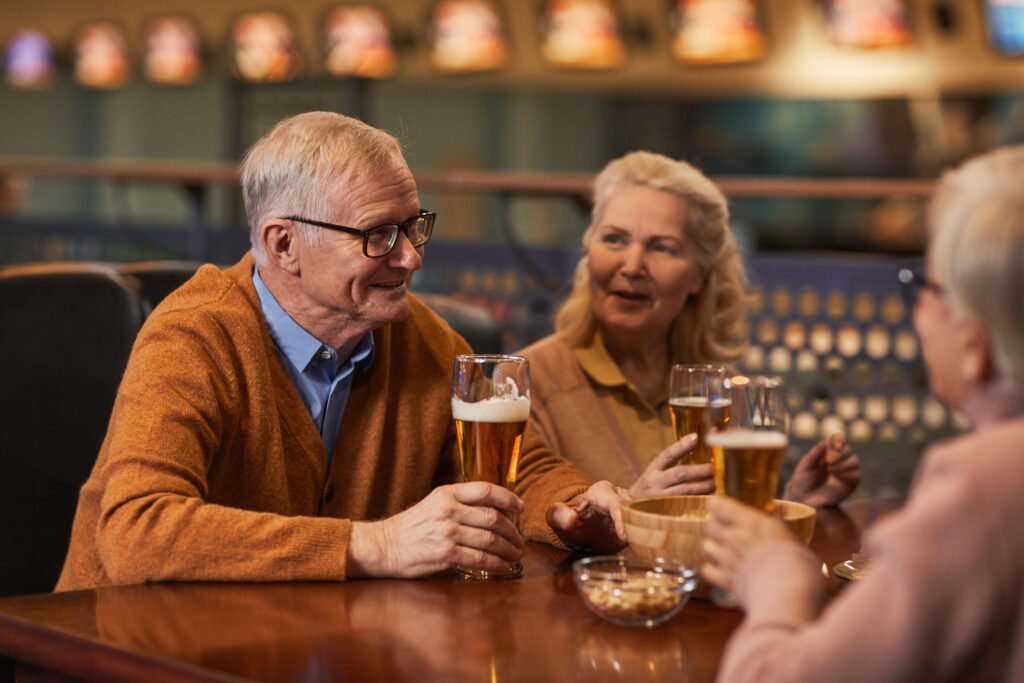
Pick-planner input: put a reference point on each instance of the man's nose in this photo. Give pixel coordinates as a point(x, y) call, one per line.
point(404, 255)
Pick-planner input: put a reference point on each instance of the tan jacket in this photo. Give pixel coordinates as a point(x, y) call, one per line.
point(212, 469)
point(569, 416)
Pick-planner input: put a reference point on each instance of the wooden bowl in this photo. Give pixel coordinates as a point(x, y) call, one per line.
point(673, 526)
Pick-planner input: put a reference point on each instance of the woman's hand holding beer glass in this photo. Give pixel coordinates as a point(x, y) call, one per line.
point(684, 468)
point(666, 477)
point(733, 532)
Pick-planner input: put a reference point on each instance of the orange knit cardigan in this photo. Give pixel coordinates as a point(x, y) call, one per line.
point(212, 469)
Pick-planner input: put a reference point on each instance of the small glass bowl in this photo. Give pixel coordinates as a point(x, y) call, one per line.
point(633, 593)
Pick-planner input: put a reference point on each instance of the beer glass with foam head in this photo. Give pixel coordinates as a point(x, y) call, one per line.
point(688, 401)
point(748, 448)
point(490, 405)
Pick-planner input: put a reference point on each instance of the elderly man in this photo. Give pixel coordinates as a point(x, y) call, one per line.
point(288, 418)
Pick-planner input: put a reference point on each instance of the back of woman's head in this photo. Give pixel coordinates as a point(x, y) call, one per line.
point(976, 249)
point(712, 324)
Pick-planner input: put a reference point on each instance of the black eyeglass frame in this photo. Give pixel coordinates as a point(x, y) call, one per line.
point(913, 281)
point(428, 218)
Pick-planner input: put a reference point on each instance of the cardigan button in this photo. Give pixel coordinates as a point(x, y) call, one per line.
point(329, 493)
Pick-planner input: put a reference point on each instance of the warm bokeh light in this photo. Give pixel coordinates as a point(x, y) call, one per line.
point(171, 51)
point(358, 42)
point(100, 56)
point(263, 48)
point(716, 31)
point(466, 36)
point(582, 34)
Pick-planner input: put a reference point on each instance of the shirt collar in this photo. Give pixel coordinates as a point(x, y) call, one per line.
point(298, 345)
point(597, 363)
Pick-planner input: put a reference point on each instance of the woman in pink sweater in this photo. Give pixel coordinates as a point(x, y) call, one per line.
point(943, 596)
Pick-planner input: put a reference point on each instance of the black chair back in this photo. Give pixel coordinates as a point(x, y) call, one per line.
point(66, 330)
point(157, 279)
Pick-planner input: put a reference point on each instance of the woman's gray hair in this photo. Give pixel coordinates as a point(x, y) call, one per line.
point(712, 327)
point(292, 169)
point(976, 250)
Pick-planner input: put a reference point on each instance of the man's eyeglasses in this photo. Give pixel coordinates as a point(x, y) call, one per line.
point(913, 281)
point(380, 240)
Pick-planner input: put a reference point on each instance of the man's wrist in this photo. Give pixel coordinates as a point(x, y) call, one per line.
point(366, 551)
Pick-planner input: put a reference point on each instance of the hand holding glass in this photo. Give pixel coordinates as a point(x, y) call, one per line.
point(490, 405)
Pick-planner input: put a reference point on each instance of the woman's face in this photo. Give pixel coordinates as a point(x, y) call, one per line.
point(642, 265)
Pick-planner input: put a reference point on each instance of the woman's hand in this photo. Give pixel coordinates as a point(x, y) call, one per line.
point(733, 532)
point(826, 475)
point(664, 477)
point(591, 520)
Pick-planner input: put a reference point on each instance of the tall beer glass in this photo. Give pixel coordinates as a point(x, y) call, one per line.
point(748, 449)
point(490, 405)
point(687, 402)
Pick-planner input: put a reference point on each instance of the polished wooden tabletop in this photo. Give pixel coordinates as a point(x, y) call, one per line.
point(534, 628)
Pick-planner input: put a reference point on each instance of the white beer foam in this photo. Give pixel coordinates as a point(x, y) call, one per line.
point(699, 402)
point(746, 438)
point(492, 410)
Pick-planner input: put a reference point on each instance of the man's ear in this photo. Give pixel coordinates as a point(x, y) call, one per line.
point(280, 240)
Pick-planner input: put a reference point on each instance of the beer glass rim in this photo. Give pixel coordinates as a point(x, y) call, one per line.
point(768, 381)
point(700, 366)
point(483, 357)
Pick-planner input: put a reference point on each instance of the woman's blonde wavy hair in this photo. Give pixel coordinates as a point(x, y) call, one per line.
point(712, 327)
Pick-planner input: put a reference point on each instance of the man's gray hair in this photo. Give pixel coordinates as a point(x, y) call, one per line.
point(293, 169)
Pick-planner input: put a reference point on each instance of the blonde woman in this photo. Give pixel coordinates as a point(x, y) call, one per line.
point(661, 282)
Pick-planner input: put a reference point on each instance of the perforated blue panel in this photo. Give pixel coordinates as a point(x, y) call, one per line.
point(835, 326)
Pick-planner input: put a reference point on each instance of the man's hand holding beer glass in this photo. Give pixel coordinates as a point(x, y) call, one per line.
point(463, 524)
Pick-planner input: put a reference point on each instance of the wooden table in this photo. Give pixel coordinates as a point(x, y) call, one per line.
point(534, 628)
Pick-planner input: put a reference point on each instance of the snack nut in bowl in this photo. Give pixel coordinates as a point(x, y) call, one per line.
point(629, 592)
point(672, 527)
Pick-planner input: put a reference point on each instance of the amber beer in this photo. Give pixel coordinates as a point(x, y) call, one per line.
point(489, 435)
point(688, 417)
point(747, 464)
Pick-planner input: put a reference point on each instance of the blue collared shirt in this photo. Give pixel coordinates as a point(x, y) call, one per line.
point(322, 381)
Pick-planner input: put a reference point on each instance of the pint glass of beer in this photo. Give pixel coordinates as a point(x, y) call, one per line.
point(687, 402)
point(490, 405)
point(748, 448)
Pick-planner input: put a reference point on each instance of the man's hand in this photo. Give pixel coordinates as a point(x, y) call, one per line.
point(664, 477)
point(459, 524)
point(826, 475)
point(591, 520)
